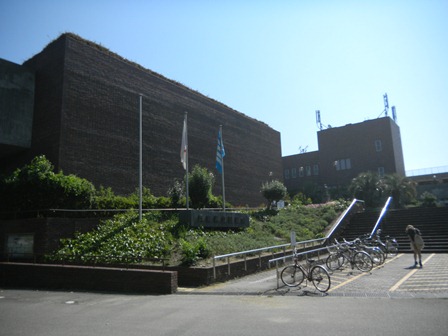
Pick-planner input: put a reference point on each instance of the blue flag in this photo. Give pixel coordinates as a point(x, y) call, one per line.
point(220, 153)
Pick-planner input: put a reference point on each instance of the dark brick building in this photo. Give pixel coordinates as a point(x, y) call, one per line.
point(345, 152)
point(86, 121)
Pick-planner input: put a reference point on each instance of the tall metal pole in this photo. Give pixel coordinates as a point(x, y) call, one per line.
point(140, 175)
point(222, 175)
point(186, 163)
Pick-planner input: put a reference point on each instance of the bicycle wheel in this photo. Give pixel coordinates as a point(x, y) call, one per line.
point(334, 261)
point(383, 249)
point(377, 257)
point(363, 261)
point(320, 278)
point(392, 249)
point(292, 276)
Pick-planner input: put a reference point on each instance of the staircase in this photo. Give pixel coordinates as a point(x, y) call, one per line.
point(432, 222)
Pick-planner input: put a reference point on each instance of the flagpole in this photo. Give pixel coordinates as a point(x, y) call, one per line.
point(186, 135)
point(222, 174)
point(185, 139)
point(140, 175)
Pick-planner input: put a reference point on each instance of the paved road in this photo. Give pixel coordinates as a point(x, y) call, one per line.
point(391, 300)
point(63, 313)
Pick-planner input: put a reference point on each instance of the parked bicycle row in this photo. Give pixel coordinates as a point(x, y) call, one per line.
point(362, 253)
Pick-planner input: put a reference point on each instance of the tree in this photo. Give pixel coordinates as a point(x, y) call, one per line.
point(366, 186)
point(273, 191)
point(428, 200)
point(200, 184)
point(401, 189)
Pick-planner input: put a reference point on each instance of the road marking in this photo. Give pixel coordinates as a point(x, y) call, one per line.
point(407, 276)
point(362, 274)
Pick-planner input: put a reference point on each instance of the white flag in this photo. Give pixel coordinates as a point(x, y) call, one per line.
point(184, 146)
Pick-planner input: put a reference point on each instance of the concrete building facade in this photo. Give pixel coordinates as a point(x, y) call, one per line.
point(16, 107)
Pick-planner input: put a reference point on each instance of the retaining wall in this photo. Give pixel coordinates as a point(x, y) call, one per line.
point(63, 277)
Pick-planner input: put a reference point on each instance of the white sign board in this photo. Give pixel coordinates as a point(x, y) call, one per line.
point(20, 245)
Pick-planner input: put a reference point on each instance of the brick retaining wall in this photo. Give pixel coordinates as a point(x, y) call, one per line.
point(106, 279)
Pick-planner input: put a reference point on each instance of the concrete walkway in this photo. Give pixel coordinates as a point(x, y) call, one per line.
point(394, 279)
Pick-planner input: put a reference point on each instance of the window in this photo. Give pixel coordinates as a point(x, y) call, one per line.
point(343, 164)
point(381, 171)
point(293, 172)
point(308, 171)
point(378, 145)
point(316, 169)
point(286, 174)
point(301, 172)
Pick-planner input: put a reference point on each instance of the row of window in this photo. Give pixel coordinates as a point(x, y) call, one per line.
point(303, 171)
point(343, 164)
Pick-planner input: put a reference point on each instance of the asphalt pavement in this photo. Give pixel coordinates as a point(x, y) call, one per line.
point(391, 299)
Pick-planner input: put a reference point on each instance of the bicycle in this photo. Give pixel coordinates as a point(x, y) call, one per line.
point(349, 254)
point(377, 255)
point(294, 275)
point(389, 247)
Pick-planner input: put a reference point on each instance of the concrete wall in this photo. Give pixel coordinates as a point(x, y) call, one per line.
point(16, 107)
point(46, 232)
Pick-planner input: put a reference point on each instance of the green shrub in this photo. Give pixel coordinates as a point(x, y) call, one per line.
point(36, 187)
point(200, 186)
point(428, 200)
point(123, 239)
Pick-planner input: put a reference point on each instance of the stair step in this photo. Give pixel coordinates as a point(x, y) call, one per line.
point(432, 222)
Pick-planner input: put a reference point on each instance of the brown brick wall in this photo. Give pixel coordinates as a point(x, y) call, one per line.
point(87, 278)
point(87, 104)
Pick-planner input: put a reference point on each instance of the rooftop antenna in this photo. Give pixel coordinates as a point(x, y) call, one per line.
point(318, 122)
point(394, 113)
point(302, 150)
point(386, 104)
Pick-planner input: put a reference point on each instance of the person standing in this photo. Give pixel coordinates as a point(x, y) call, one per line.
point(416, 243)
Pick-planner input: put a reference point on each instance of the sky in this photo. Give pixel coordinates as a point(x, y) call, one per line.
point(275, 61)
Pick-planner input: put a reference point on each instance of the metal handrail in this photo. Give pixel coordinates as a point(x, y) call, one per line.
point(304, 244)
point(342, 217)
point(383, 212)
point(284, 246)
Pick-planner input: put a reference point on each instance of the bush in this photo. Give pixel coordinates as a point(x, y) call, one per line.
point(428, 200)
point(36, 187)
point(123, 239)
point(200, 187)
point(175, 193)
